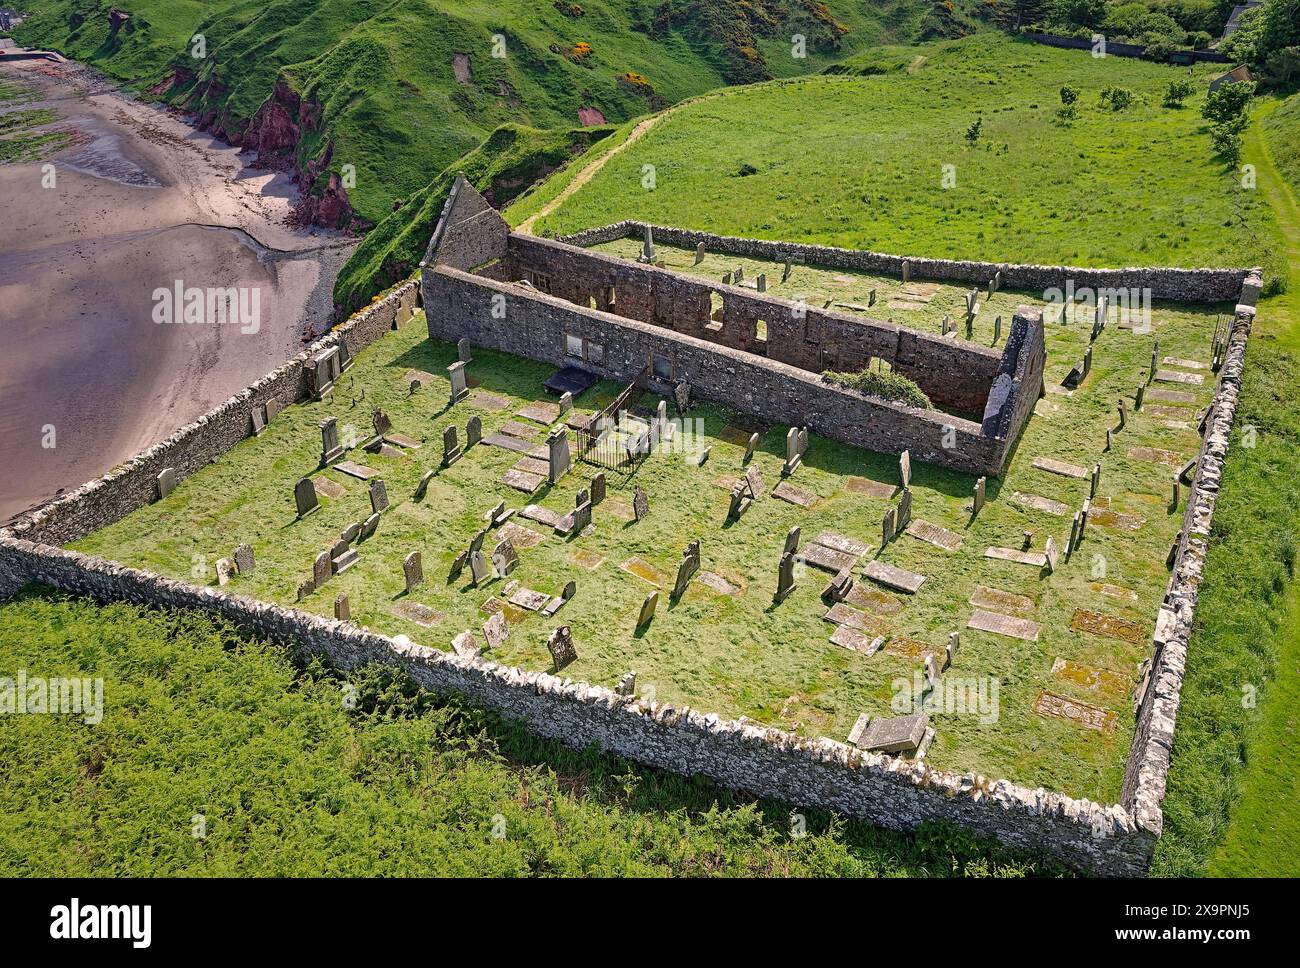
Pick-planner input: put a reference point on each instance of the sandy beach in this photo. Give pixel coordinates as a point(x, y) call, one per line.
point(139, 200)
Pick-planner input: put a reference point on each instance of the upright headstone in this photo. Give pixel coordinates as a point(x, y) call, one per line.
point(905, 469)
point(699, 254)
point(330, 448)
point(871, 298)
point(904, 510)
point(413, 570)
point(1074, 535)
point(597, 488)
point(381, 422)
point(369, 527)
point(1095, 481)
point(1123, 415)
point(320, 569)
point(459, 386)
point(496, 629)
point(682, 396)
point(464, 352)
point(980, 487)
point(785, 271)
point(950, 650)
point(378, 496)
point(640, 504)
point(473, 432)
point(1049, 550)
point(342, 610)
point(761, 282)
point(166, 482)
point(750, 447)
point(907, 270)
point(504, 557)
point(422, 488)
point(244, 559)
point(648, 246)
point(304, 496)
point(479, 568)
point(566, 402)
point(791, 541)
point(1141, 395)
point(785, 577)
point(557, 451)
point(258, 416)
point(887, 527)
point(560, 644)
point(225, 568)
point(626, 686)
point(648, 609)
point(793, 455)
point(997, 328)
point(451, 451)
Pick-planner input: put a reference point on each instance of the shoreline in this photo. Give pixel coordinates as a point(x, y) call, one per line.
point(140, 198)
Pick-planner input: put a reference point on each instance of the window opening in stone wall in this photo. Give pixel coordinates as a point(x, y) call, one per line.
point(573, 345)
point(715, 313)
point(663, 368)
point(595, 353)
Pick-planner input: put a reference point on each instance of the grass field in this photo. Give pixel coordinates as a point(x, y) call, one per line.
point(857, 160)
point(291, 771)
point(737, 654)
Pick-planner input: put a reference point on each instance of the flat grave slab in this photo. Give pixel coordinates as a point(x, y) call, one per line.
point(578, 421)
point(401, 440)
point(1088, 677)
point(726, 482)
point(795, 495)
point(1037, 502)
point(531, 465)
point(1157, 456)
point(520, 536)
point(872, 599)
point(872, 489)
point(891, 576)
point(535, 512)
point(900, 734)
point(1116, 520)
point(1111, 626)
point(1082, 713)
point(1064, 468)
point(507, 442)
point(353, 469)
point(909, 648)
point(934, 535)
point(570, 379)
point(522, 480)
point(1165, 412)
point(819, 556)
point(1177, 397)
point(841, 614)
point(489, 401)
point(642, 569)
point(1008, 625)
point(423, 376)
point(997, 600)
point(1114, 591)
point(618, 510)
point(717, 583)
point(850, 638)
point(542, 412)
point(1182, 364)
point(329, 487)
point(418, 613)
point(1035, 559)
point(584, 558)
point(1178, 376)
point(516, 429)
point(529, 599)
point(841, 543)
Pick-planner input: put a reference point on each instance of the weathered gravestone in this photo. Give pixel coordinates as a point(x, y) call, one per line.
point(699, 254)
point(791, 541)
point(464, 352)
point(244, 559)
point(330, 448)
point(560, 644)
point(450, 447)
point(479, 568)
point(342, 610)
point(225, 568)
point(166, 482)
point(682, 397)
point(320, 569)
point(381, 423)
point(1049, 550)
point(378, 496)
point(557, 454)
point(413, 571)
point(369, 527)
point(566, 402)
point(887, 528)
point(950, 650)
point(598, 488)
point(258, 417)
point(626, 685)
point(785, 577)
point(904, 516)
point(496, 629)
point(690, 564)
point(304, 496)
point(422, 488)
point(978, 502)
point(459, 386)
point(473, 432)
point(305, 588)
point(751, 447)
point(640, 504)
point(905, 469)
point(504, 557)
point(648, 609)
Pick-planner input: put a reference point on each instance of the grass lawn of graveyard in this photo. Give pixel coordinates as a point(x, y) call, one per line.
point(724, 646)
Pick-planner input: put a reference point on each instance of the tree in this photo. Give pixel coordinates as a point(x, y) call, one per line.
point(973, 132)
point(1228, 101)
point(1079, 13)
point(1178, 92)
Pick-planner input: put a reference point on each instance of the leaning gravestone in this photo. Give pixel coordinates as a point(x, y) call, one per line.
point(905, 469)
point(304, 496)
point(464, 351)
point(751, 447)
point(381, 423)
point(640, 504)
point(450, 447)
point(504, 558)
point(305, 588)
point(560, 644)
point(648, 609)
point(887, 527)
point(473, 432)
point(496, 630)
point(369, 527)
point(785, 578)
point(479, 568)
point(598, 488)
point(626, 686)
point(166, 482)
point(225, 568)
point(378, 496)
point(904, 516)
point(413, 570)
point(791, 541)
point(423, 487)
point(244, 559)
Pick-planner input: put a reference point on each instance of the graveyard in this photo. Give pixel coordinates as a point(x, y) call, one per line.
point(1063, 627)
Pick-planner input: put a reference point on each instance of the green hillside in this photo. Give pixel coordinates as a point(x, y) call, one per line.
point(859, 160)
point(400, 88)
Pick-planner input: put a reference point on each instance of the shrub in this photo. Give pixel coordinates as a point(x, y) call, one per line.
point(1227, 102)
point(973, 132)
point(1177, 93)
point(1226, 139)
point(1118, 98)
point(887, 386)
point(1069, 95)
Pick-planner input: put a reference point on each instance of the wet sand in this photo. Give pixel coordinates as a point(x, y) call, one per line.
point(140, 200)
